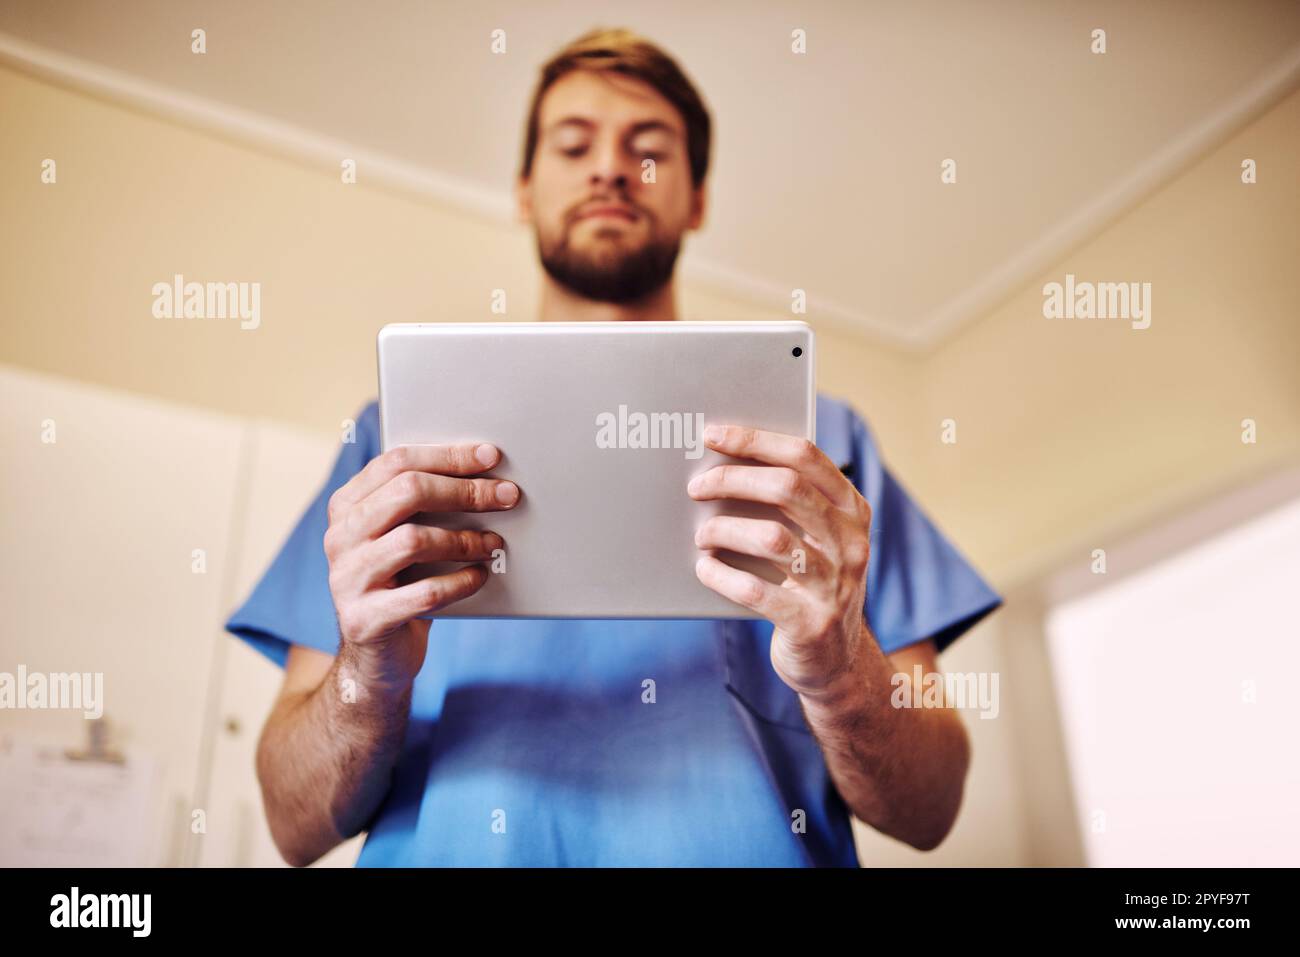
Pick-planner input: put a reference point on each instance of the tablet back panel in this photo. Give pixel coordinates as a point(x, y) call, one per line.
point(600, 425)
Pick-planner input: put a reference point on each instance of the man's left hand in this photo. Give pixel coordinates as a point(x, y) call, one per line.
point(818, 610)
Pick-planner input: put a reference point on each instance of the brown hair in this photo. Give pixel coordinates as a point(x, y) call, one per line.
point(622, 51)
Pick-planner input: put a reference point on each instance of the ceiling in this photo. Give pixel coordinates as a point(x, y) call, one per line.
point(826, 167)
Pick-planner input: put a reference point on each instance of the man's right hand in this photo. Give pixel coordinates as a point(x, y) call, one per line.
point(368, 543)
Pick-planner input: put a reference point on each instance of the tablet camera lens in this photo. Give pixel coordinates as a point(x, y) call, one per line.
point(796, 352)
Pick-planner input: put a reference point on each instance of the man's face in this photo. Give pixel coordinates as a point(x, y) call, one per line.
point(602, 230)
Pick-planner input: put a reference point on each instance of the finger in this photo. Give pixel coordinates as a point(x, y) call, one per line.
point(411, 493)
point(412, 544)
point(388, 609)
point(785, 488)
point(461, 459)
point(791, 451)
point(778, 605)
point(763, 538)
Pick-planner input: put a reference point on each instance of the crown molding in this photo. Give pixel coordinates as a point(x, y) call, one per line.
point(1096, 213)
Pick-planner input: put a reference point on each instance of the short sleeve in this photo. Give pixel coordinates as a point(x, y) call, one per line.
point(291, 604)
point(919, 585)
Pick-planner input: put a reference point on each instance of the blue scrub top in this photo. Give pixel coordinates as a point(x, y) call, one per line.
point(537, 742)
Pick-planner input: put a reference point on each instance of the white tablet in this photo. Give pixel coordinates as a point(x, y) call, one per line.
point(600, 424)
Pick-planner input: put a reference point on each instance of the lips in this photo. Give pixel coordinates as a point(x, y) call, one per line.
point(619, 212)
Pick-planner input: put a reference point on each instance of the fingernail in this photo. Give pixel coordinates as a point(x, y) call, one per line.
point(494, 541)
point(487, 454)
point(713, 433)
point(507, 493)
point(693, 485)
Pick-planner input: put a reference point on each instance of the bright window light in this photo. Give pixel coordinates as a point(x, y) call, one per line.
point(1178, 696)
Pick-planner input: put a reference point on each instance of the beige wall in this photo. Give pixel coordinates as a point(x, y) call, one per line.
point(1071, 431)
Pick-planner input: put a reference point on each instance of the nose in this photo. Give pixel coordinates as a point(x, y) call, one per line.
point(610, 167)
point(614, 180)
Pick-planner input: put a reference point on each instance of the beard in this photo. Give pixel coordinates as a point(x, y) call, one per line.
point(612, 273)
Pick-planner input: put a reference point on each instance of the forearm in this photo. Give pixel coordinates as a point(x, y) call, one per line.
point(901, 770)
point(325, 760)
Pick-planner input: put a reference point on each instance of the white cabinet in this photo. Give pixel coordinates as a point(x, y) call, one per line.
point(129, 529)
point(285, 469)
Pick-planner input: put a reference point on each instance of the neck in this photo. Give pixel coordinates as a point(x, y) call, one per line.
point(563, 305)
